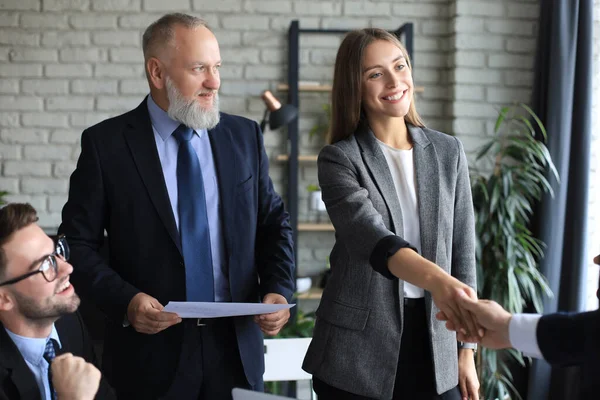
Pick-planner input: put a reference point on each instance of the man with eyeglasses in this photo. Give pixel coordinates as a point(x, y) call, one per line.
point(39, 326)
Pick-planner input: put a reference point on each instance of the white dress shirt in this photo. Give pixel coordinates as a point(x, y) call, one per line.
point(522, 333)
point(168, 147)
point(32, 350)
point(401, 165)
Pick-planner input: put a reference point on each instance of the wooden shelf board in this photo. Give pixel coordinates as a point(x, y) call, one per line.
point(315, 227)
point(311, 294)
point(282, 87)
point(302, 158)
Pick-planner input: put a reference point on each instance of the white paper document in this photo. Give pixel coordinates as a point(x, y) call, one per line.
point(243, 394)
point(191, 309)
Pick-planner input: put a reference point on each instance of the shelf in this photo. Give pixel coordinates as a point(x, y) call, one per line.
point(282, 87)
point(301, 158)
point(315, 227)
point(312, 294)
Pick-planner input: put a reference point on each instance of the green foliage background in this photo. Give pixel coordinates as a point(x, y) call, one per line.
point(507, 252)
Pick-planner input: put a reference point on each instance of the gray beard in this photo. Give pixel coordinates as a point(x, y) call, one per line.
point(189, 112)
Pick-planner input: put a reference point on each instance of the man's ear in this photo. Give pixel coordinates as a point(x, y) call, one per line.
point(6, 300)
point(156, 72)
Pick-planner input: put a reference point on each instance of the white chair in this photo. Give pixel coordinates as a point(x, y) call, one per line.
point(283, 360)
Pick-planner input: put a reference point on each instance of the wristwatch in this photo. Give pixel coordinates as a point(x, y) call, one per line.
point(467, 345)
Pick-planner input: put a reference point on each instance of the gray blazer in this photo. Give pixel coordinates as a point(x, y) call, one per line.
point(357, 335)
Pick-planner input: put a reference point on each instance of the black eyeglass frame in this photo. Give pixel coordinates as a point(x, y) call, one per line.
point(61, 250)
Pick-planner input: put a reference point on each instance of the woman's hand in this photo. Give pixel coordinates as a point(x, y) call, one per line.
point(408, 265)
point(467, 375)
point(446, 292)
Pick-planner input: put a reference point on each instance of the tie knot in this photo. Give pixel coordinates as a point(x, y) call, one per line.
point(183, 133)
point(49, 351)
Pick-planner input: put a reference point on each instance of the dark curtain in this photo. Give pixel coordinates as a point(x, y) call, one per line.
point(562, 99)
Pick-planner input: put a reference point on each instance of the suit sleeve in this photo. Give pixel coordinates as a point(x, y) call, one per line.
point(105, 391)
point(463, 230)
point(84, 219)
point(352, 213)
point(274, 244)
point(569, 339)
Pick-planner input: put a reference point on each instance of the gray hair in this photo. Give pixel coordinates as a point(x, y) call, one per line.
point(160, 32)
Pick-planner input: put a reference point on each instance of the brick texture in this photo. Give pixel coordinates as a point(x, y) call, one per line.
point(68, 64)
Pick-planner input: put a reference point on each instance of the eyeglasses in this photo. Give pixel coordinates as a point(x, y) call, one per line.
point(49, 267)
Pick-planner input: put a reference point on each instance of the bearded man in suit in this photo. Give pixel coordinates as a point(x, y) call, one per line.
point(184, 196)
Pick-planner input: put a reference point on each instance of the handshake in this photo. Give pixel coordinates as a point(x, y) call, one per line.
point(487, 323)
point(489, 320)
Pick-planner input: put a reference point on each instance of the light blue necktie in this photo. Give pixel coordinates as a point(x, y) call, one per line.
point(193, 220)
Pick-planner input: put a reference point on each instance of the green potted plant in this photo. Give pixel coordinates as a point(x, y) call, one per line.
point(315, 202)
point(507, 252)
point(301, 327)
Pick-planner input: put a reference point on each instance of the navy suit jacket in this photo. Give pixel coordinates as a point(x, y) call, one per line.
point(573, 339)
point(17, 382)
point(118, 187)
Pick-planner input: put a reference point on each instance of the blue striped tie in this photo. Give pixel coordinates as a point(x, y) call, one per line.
point(49, 355)
point(193, 220)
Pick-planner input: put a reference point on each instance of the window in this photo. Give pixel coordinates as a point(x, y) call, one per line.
point(593, 234)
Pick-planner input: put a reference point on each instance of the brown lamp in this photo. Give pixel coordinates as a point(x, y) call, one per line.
point(277, 114)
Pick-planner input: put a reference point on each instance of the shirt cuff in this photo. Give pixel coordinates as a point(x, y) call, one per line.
point(384, 249)
point(522, 333)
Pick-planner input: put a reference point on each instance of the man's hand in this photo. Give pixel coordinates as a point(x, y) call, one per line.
point(272, 323)
point(443, 293)
point(490, 315)
point(467, 375)
point(146, 316)
point(73, 378)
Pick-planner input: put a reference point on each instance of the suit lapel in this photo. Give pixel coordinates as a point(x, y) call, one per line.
point(226, 168)
point(16, 369)
point(376, 163)
point(140, 139)
point(428, 191)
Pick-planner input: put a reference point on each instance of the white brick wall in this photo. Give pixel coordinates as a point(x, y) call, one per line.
point(494, 52)
point(68, 64)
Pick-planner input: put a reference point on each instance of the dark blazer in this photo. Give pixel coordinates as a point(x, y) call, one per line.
point(16, 379)
point(573, 339)
point(118, 186)
point(356, 341)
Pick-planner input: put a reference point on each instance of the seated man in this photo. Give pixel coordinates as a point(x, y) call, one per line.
point(38, 318)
